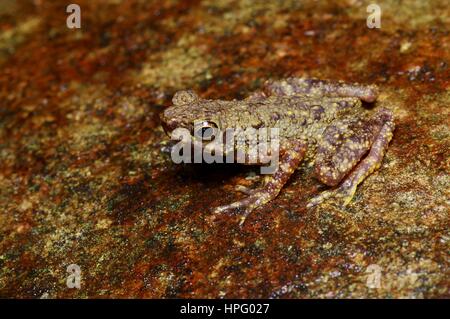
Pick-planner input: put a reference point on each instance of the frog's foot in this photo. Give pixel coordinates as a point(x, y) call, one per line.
point(289, 161)
point(251, 178)
point(293, 85)
point(256, 199)
point(346, 190)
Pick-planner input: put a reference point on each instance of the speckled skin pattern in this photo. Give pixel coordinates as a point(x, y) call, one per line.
point(319, 121)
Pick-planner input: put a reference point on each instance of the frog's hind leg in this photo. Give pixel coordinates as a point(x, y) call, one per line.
point(243, 189)
point(290, 159)
point(293, 85)
point(369, 164)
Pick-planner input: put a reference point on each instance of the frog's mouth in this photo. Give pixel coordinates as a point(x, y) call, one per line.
point(194, 143)
point(168, 127)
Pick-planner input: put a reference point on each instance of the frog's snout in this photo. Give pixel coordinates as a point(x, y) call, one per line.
point(168, 122)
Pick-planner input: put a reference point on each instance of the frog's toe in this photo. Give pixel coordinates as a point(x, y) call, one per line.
point(242, 206)
point(348, 196)
point(244, 189)
point(342, 195)
point(224, 208)
point(319, 199)
point(232, 207)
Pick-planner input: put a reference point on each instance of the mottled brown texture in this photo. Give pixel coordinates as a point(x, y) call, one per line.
point(323, 119)
point(83, 179)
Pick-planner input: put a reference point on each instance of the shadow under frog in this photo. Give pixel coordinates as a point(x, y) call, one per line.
point(318, 121)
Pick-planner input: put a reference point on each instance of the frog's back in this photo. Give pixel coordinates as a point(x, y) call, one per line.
point(299, 116)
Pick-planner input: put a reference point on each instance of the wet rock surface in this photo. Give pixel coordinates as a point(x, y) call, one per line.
point(83, 179)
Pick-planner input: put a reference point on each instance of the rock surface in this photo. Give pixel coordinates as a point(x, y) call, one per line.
point(83, 179)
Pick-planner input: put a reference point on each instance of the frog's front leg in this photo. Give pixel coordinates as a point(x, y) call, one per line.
point(290, 158)
point(348, 153)
point(293, 85)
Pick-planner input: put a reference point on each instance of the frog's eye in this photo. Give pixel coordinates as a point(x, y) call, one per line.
point(205, 130)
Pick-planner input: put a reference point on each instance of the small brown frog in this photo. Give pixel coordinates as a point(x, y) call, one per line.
point(318, 121)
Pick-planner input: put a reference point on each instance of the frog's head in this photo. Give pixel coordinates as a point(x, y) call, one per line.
point(192, 113)
point(214, 126)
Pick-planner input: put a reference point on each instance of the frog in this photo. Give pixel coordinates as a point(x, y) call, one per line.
point(324, 123)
